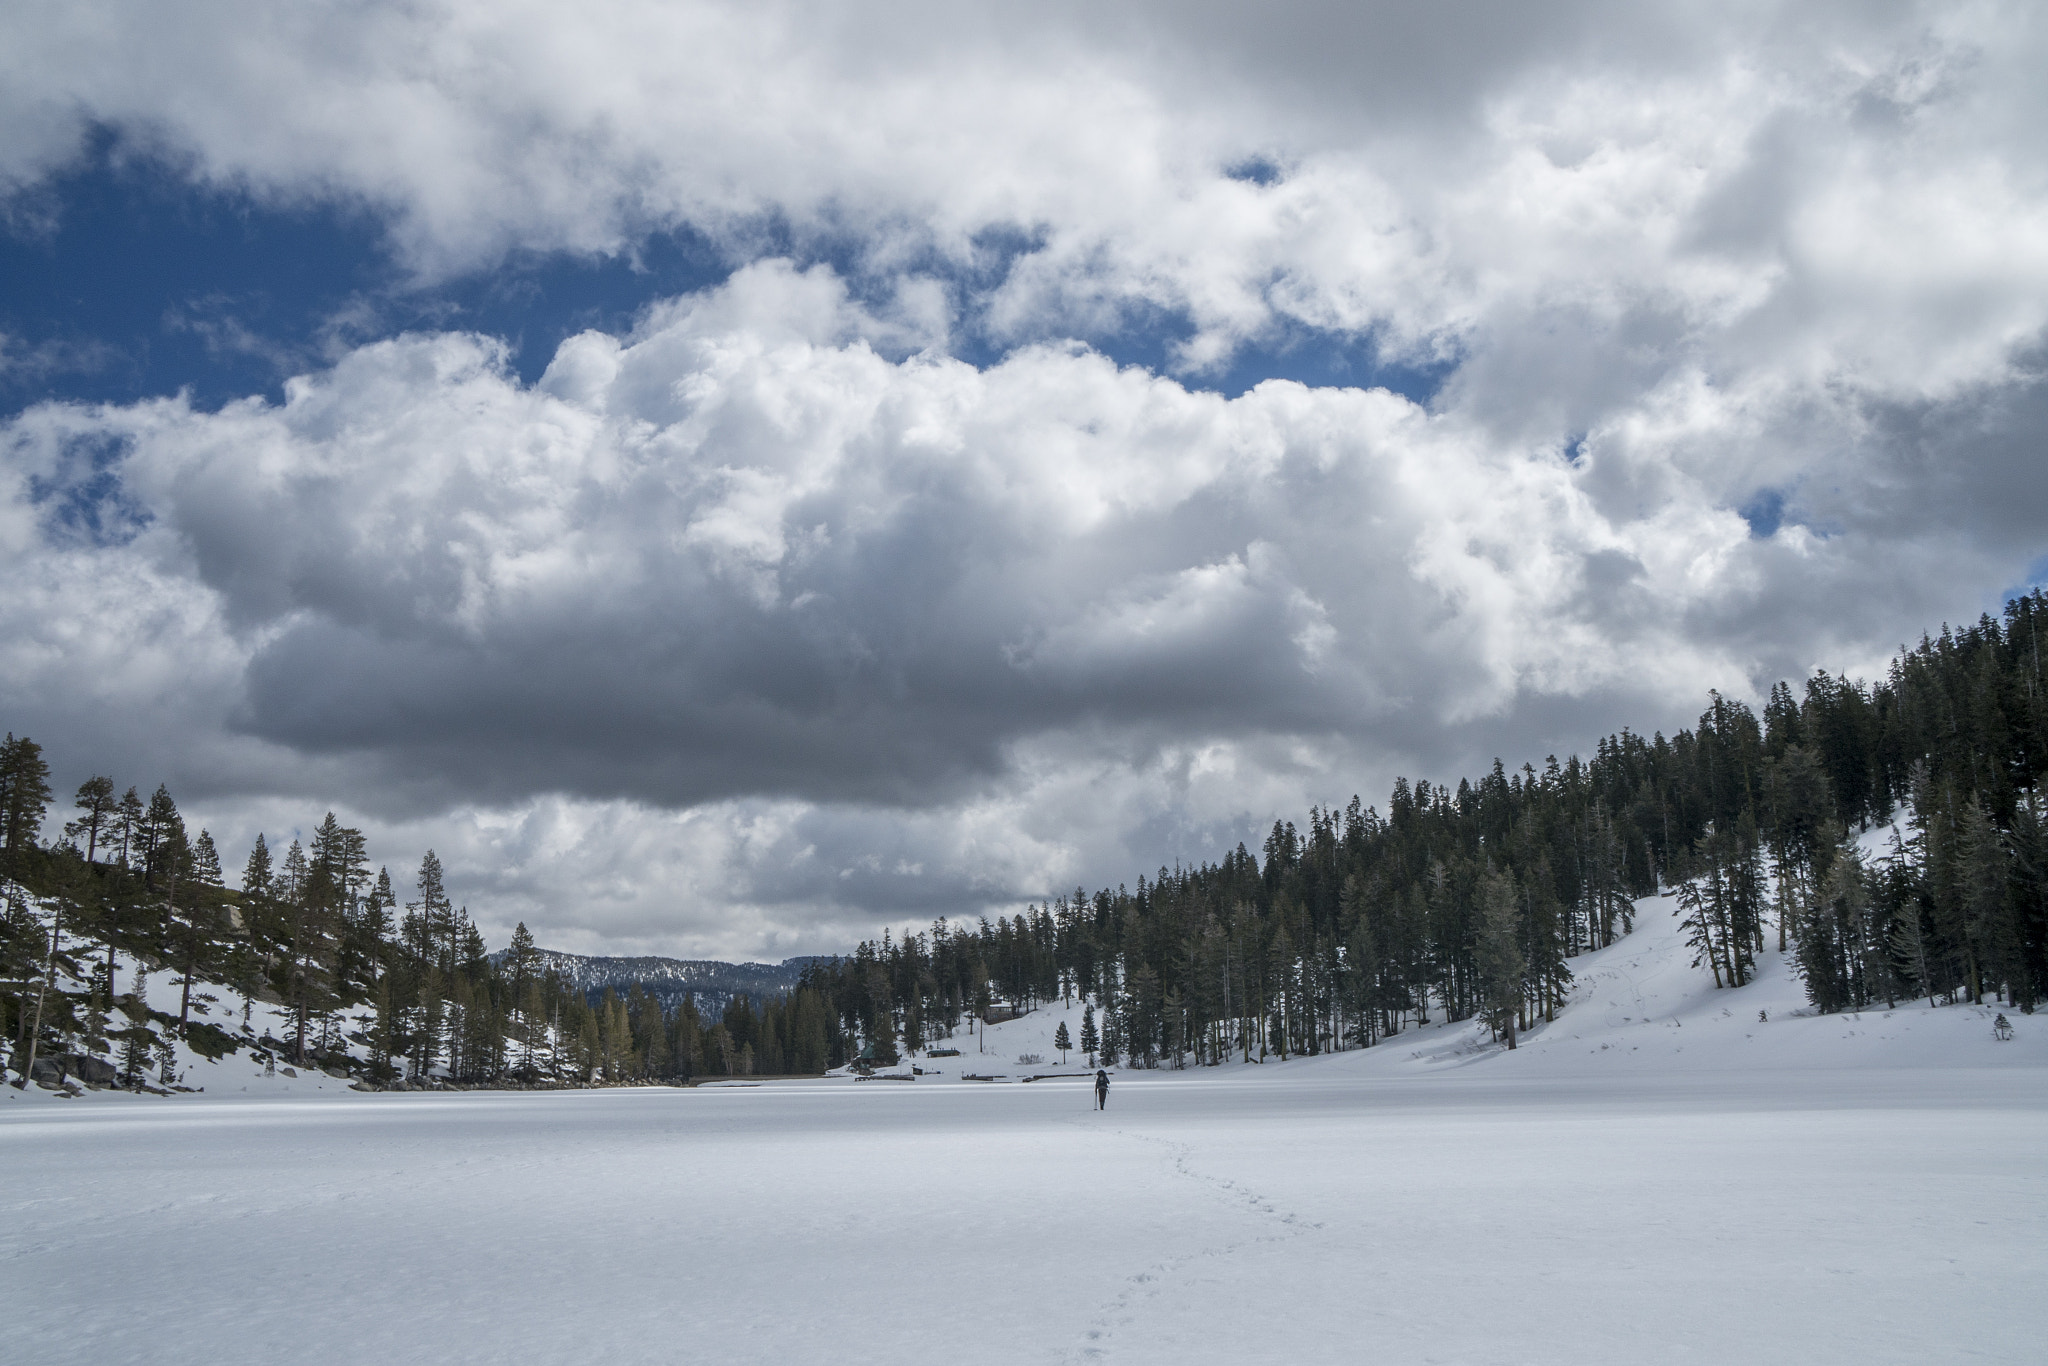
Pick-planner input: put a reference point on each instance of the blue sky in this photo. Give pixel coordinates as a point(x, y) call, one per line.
point(728, 477)
point(128, 280)
point(145, 284)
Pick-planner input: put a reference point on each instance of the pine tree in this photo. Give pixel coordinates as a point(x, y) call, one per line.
point(1856, 889)
point(1985, 874)
point(471, 954)
point(290, 882)
point(206, 861)
point(2028, 841)
point(1063, 1041)
point(383, 1031)
point(1830, 952)
point(1722, 903)
point(1090, 1040)
point(24, 797)
point(312, 902)
point(1498, 954)
point(160, 825)
point(96, 812)
point(533, 1028)
point(1361, 979)
point(371, 930)
point(427, 1036)
point(137, 1042)
point(520, 961)
point(32, 1018)
point(1112, 1046)
point(128, 817)
point(1907, 933)
point(192, 900)
point(884, 1039)
point(437, 912)
point(339, 851)
point(1141, 1024)
point(96, 1024)
point(650, 1037)
point(483, 1033)
point(256, 875)
point(106, 909)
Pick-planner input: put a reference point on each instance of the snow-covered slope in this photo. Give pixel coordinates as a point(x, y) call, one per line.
point(1637, 1006)
point(1640, 1005)
point(712, 983)
point(252, 1070)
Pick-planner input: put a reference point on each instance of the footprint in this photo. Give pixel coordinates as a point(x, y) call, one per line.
point(1148, 1283)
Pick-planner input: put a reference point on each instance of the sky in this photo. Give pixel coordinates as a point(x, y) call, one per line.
point(732, 477)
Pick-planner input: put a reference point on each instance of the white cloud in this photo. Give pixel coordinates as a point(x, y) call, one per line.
point(857, 619)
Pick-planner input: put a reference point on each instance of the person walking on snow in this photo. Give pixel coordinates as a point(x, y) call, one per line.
point(1101, 1089)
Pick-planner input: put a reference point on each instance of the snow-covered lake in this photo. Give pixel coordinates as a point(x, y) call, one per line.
point(1855, 1216)
point(1658, 1176)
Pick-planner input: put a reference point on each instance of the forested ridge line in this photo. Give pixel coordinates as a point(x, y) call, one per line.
point(1473, 900)
point(1461, 902)
point(312, 960)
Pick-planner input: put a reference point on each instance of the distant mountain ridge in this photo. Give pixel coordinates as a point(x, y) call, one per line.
point(711, 982)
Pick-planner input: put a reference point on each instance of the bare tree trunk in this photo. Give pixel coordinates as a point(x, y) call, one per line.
point(185, 993)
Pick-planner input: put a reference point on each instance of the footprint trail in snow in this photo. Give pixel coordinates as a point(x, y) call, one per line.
point(1118, 1311)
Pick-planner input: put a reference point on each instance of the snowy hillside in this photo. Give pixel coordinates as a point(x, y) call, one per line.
point(1637, 1007)
point(260, 1065)
point(710, 982)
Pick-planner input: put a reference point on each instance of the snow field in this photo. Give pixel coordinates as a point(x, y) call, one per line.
point(1298, 1215)
point(1656, 1176)
point(238, 1073)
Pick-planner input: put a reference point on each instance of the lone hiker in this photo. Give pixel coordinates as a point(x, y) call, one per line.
point(1101, 1089)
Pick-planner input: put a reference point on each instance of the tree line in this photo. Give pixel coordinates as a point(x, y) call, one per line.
point(348, 976)
point(1471, 901)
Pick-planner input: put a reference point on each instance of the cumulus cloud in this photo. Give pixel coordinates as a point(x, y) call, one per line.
point(741, 566)
point(777, 603)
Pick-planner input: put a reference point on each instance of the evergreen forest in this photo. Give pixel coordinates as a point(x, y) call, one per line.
point(1472, 901)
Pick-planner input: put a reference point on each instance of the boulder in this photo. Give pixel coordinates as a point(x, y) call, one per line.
point(49, 1070)
point(91, 1070)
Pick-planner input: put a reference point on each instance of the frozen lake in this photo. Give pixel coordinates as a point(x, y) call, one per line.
point(1666, 1173)
point(1320, 1211)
